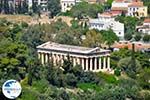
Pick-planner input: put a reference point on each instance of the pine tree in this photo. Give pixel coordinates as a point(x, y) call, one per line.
point(34, 6)
point(6, 7)
point(24, 7)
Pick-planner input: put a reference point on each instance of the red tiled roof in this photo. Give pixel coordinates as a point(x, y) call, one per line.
point(119, 0)
point(127, 0)
point(138, 46)
point(107, 14)
point(147, 20)
point(111, 13)
point(136, 4)
point(119, 8)
point(116, 12)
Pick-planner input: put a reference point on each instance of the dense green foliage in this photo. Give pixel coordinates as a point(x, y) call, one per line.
point(109, 37)
point(146, 38)
point(147, 3)
point(129, 23)
point(18, 60)
point(84, 9)
point(10, 8)
point(54, 7)
point(138, 37)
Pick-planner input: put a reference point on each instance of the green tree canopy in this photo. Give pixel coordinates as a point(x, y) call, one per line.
point(126, 65)
point(146, 38)
point(54, 7)
point(129, 23)
point(109, 37)
point(93, 39)
point(85, 9)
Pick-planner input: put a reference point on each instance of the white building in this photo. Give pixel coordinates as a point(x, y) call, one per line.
point(29, 4)
point(66, 5)
point(91, 59)
point(107, 21)
point(137, 9)
point(145, 28)
point(41, 3)
point(121, 5)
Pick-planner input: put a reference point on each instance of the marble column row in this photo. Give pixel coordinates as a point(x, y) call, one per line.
point(88, 64)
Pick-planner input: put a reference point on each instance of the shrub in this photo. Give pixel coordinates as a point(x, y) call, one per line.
point(128, 36)
point(24, 24)
point(146, 38)
point(108, 78)
point(86, 86)
point(117, 72)
point(137, 37)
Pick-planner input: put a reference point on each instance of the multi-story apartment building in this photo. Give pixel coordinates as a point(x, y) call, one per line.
point(121, 5)
point(134, 8)
point(137, 9)
point(66, 5)
point(106, 21)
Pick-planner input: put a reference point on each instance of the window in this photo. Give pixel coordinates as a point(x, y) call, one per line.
point(130, 8)
point(130, 14)
point(140, 44)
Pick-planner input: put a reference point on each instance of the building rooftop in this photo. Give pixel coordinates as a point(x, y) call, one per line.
point(92, 1)
point(97, 21)
point(119, 8)
point(128, 44)
point(147, 20)
point(67, 0)
point(70, 48)
point(111, 13)
point(143, 27)
point(136, 4)
point(127, 1)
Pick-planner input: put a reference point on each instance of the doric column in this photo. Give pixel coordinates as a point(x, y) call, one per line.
point(100, 63)
point(57, 59)
point(65, 57)
point(50, 58)
point(78, 61)
point(61, 60)
point(108, 62)
point(95, 63)
point(46, 58)
point(74, 61)
point(42, 58)
point(54, 59)
point(87, 64)
point(83, 63)
point(104, 63)
point(39, 55)
point(91, 64)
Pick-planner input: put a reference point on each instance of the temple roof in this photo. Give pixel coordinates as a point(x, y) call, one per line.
point(70, 48)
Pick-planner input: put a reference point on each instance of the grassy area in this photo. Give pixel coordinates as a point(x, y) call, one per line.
point(87, 86)
point(17, 18)
point(108, 78)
